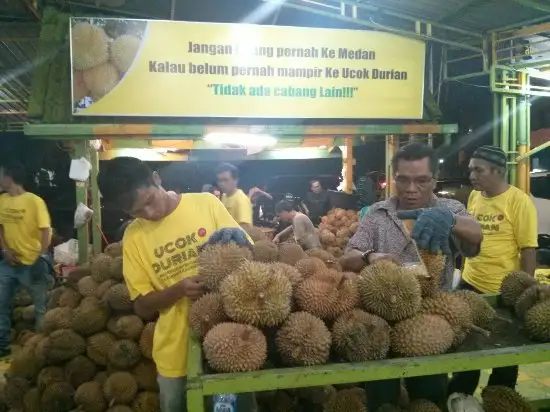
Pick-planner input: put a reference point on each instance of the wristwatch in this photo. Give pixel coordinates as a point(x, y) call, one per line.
point(365, 256)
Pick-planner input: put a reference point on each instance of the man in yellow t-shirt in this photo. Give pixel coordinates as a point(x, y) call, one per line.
point(160, 249)
point(236, 202)
point(509, 222)
point(25, 235)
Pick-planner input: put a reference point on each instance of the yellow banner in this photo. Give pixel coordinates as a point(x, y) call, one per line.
point(164, 68)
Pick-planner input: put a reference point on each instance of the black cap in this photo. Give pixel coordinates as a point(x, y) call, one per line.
point(491, 154)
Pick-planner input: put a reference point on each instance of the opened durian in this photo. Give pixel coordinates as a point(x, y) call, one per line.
point(123, 51)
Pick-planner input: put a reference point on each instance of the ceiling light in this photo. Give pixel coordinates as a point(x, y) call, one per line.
point(241, 139)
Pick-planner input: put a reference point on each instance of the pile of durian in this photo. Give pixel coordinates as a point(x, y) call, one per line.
point(100, 61)
point(278, 306)
point(22, 316)
point(336, 228)
point(93, 352)
point(530, 301)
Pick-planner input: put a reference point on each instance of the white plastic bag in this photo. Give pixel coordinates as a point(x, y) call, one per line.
point(80, 169)
point(458, 402)
point(66, 253)
point(82, 215)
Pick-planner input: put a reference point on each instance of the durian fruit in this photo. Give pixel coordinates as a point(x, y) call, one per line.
point(57, 318)
point(126, 327)
point(502, 398)
point(75, 275)
point(123, 51)
point(421, 335)
point(218, 261)
point(49, 375)
point(454, 310)
point(69, 298)
point(146, 402)
point(329, 260)
point(63, 345)
point(265, 251)
point(146, 340)
point(79, 370)
point(89, 397)
point(101, 80)
point(120, 408)
point(317, 395)
point(90, 317)
point(389, 291)
point(25, 364)
point(124, 354)
point(483, 314)
point(114, 250)
point(100, 267)
point(327, 294)
point(57, 397)
point(120, 388)
point(255, 233)
point(32, 401)
point(118, 298)
point(98, 347)
point(423, 405)
point(290, 253)
point(22, 298)
point(90, 46)
point(513, 285)
point(104, 287)
point(435, 265)
point(234, 347)
point(256, 294)
point(347, 400)
point(290, 272)
point(359, 336)
point(309, 266)
point(327, 238)
point(145, 374)
point(205, 313)
point(530, 298)
point(537, 321)
point(14, 391)
point(303, 340)
point(115, 269)
point(87, 287)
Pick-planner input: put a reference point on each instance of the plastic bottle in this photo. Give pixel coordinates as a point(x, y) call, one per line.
point(226, 402)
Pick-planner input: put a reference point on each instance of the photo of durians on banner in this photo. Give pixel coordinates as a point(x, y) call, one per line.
point(102, 52)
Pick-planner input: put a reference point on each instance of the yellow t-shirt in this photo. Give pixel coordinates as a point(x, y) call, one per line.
point(509, 224)
point(239, 206)
point(157, 255)
point(22, 217)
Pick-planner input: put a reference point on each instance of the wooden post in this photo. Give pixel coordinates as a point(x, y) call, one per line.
point(348, 164)
point(96, 203)
point(83, 233)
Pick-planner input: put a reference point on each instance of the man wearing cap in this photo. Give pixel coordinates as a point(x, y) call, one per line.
point(508, 219)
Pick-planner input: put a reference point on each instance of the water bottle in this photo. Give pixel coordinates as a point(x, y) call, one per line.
point(226, 402)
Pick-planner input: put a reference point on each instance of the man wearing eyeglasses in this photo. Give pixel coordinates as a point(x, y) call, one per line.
point(441, 225)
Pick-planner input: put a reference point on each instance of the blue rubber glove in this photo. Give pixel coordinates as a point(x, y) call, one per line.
point(432, 229)
point(229, 235)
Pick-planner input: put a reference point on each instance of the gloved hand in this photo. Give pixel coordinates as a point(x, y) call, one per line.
point(228, 235)
point(432, 228)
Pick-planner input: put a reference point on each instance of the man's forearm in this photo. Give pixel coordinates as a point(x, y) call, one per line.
point(285, 232)
point(162, 299)
point(468, 231)
point(352, 261)
point(528, 259)
point(45, 240)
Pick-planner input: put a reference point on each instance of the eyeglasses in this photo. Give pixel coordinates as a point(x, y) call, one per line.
point(420, 182)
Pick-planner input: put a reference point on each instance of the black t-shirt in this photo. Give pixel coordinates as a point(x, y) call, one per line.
point(318, 205)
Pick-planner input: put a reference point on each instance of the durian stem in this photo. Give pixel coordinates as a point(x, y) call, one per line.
point(480, 330)
point(503, 319)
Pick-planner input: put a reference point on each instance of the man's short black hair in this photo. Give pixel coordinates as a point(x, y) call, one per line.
point(228, 167)
point(16, 171)
point(416, 151)
point(284, 206)
point(119, 180)
point(315, 181)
